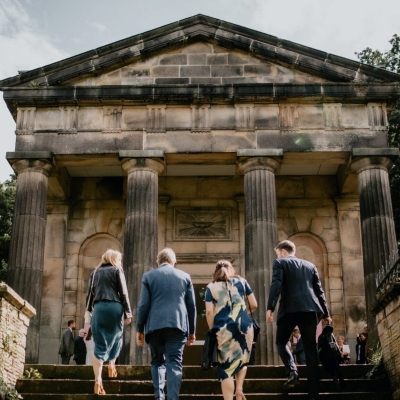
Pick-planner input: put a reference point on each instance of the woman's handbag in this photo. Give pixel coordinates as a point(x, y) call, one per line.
point(209, 356)
point(88, 314)
point(256, 329)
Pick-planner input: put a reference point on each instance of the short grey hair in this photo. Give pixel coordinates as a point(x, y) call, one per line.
point(166, 255)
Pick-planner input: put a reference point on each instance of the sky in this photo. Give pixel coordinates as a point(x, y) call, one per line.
point(34, 33)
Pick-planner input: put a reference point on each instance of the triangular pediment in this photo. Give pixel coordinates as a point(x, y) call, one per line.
point(260, 58)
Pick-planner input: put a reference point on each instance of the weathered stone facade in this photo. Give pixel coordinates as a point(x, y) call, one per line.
point(214, 140)
point(15, 314)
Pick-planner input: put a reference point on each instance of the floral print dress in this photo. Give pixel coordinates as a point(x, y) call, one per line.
point(232, 324)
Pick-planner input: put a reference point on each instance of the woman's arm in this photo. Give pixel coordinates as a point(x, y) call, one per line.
point(252, 302)
point(210, 314)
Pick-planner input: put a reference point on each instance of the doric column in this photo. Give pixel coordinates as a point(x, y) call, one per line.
point(261, 235)
point(28, 238)
point(377, 224)
point(141, 234)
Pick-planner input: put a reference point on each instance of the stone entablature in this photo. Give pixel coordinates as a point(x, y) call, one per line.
point(15, 314)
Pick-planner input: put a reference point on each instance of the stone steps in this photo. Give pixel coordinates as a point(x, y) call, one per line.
point(62, 382)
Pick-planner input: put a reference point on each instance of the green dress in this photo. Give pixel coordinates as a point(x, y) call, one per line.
point(232, 324)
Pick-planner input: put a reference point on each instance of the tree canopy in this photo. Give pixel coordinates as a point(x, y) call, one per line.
point(390, 60)
point(7, 198)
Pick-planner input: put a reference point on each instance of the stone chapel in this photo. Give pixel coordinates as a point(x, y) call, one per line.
point(212, 139)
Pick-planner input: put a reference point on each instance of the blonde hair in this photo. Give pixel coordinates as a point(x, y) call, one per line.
point(112, 257)
point(223, 271)
point(166, 255)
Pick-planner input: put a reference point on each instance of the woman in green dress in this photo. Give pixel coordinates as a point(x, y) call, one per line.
point(227, 316)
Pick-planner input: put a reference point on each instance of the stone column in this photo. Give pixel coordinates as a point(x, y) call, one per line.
point(377, 224)
point(141, 234)
point(27, 239)
point(261, 236)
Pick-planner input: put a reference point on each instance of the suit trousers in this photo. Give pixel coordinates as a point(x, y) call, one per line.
point(65, 360)
point(307, 323)
point(166, 347)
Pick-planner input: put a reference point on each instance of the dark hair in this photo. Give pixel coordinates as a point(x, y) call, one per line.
point(70, 322)
point(89, 333)
point(287, 245)
point(223, 271)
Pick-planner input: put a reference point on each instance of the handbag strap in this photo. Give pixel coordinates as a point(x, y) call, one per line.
point(247, 297)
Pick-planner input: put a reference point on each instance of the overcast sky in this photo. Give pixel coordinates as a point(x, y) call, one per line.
point(34, 33)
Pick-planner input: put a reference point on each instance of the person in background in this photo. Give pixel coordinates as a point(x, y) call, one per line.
point(107, 298)
point(360, 349)
point(166, 313)
point(80, 348)
point(227, 316)
point(299, 350)
point(89, 347)
point(344, 350)
point(66, 349)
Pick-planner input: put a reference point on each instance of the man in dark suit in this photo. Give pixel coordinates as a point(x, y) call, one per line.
point(66, 349)
point(167, 313)
point(80, 348)
point(302, 303)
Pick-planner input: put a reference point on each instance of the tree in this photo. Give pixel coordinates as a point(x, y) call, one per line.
point(390, 60)
point(7, 199)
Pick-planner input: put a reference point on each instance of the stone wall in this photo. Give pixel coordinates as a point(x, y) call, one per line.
point(388, 322)
point(15, 314)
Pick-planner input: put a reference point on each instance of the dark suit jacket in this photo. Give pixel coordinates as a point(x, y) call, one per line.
point(298, 284)
point(67, 344)
point(80, 351)
point(166, 301)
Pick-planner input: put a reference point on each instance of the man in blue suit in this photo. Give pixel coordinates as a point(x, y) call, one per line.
point(167, 313)
point(303, 304)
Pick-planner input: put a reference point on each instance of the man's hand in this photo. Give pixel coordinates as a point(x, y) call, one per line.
point(127, 321)
point(190, 340)
point(328, 320)
point(270, 316)
point(140, 339)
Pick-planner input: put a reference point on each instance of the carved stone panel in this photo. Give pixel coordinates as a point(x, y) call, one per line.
point(156, 119)
point(244, 117)
point(377, 119)
point(26, 121)
point(68, 120)
point(199, 224)
point(288, 118)
point(112, 116)
point(200, 118)
point(333, 117)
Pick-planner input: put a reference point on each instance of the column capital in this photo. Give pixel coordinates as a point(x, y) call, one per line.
point(363, 159)
point(42, 166)
point(130, 165)
point(247, 164)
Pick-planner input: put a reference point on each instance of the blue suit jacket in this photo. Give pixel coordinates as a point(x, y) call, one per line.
point(166, 301)
point(298, 284)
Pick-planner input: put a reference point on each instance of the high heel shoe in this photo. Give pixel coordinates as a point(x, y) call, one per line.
point(98, 388)
point(112, 371)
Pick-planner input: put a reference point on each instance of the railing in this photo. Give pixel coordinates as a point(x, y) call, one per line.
point(388, 274)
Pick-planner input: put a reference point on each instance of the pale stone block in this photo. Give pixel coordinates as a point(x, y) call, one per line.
point(337, 308)
point(240, 58)
point(121, 213)
point(335, 284)
point(282, 212)
point(222, 247)
point(76, 236)
point(215, 187)
point(178, 117)
point(53, 279)
point(288, 225)
point(197, 59)
point(338, 321)
point(329, 235)
point(134, 118)
point(336, 296)
point(79, 213)
point(317, 226)
point(71, 284)
point(89, 227)
point(181, 187)
point(173, 59)
point(330, 223)
point(334, 258)
point(326, 212)
point(335, 271)
point(303, 222)
point(72, 259)
point(310, 116)
point(103, 220)
point(223, 117)
point(188, 247)
point(47, 119)
point(282, 235)
point(333, 246)
point(70, 309)
point(71, 272)
point(73, 247)
point(76, 224)
point(70, 296)
point(90, 118)
point(115, 227)
point(354, 115)
point(217, 59)
point(204, 203)
point(198, 47)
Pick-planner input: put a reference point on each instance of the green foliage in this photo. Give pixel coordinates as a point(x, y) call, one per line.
point(8, 392)
point(378, 369)
point(32, 373)
point(390, 60)
point(7, 199)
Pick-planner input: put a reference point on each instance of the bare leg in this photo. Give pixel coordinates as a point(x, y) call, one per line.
point(97, 369)
point(228, 388)
point(239, 383)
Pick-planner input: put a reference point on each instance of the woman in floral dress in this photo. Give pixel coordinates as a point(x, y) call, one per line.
point(228, 318)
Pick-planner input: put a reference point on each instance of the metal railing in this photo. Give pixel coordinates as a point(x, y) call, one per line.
point(388, 273)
